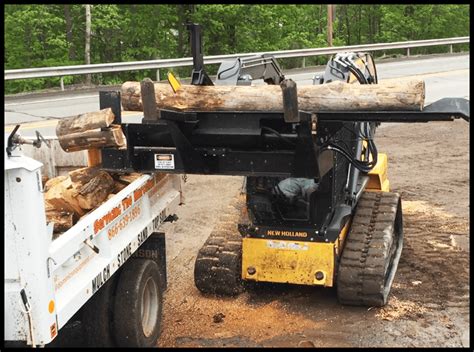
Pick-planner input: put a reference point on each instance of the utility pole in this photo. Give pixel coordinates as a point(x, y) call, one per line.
point(88, 42)
point(330, 20)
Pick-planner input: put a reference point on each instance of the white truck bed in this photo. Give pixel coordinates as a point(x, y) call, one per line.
point(59, 276)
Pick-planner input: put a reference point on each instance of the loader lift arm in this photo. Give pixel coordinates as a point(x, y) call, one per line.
point(253, 144)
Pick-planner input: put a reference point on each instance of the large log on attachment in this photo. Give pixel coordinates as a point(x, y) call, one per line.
point(91, 130)
point(404, 95)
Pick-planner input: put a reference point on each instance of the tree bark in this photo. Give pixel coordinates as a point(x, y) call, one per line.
point(87, 52)
point(329, 25)
point(320, 21)
point(68, 18)
point(348, 27)
point(403, 95)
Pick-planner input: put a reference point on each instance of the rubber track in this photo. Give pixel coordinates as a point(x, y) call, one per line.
point(367, 252)
point(218, 264)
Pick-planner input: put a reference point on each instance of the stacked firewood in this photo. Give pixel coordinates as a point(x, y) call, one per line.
point(69, 197)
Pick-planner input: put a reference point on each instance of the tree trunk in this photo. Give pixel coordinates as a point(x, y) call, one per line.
point(329, 25)
point(348, 26)
point(88, 42)
point(68, 18)
point(371, 26)
point(359, 24)
point(320, 21)
point(404, 95)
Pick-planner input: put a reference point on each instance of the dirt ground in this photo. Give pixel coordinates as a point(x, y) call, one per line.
point(429, 302)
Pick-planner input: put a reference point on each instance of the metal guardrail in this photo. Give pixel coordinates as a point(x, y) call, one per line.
point(188, 61)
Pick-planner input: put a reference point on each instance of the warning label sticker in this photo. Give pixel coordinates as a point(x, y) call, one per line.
point(164, 161)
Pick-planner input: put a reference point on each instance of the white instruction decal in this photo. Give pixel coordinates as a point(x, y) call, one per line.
point(164, 161)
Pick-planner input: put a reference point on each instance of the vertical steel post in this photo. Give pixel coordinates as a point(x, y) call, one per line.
point(62, 83)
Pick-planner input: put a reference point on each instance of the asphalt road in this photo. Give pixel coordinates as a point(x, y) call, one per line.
point(445, 76)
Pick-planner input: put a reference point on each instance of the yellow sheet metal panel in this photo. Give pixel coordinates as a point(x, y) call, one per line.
point(378, 179)
point(284, 261)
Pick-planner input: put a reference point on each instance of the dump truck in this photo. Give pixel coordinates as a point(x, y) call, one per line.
point(108, 269)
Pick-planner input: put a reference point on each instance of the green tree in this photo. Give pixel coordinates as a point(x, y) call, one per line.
point(53, 34)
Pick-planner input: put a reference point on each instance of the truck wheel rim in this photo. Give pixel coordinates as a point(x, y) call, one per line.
point(149, 307)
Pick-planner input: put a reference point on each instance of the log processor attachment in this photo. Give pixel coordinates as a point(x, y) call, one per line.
point(317, 208)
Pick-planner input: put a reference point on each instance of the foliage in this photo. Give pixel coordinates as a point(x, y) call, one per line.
point(53, 34)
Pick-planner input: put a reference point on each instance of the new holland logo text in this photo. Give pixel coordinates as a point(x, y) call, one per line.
point(284, 233)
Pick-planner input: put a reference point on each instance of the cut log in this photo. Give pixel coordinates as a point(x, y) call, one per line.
point(53, 181)
point(62, 220)
point(112, 137)
point(129, 178)
point(95, 191)
point(60, 196)
point(123, 180)
point(119, 186)
point(404, 95)
point(85, 122)
point(83, 175)
point(67, 198)
point(82, 190)
point(90, 186)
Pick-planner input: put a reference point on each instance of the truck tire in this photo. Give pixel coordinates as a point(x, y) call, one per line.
point(96, 316)
point(138, 305)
